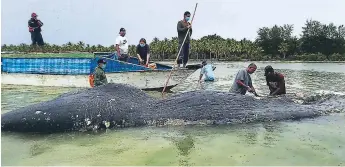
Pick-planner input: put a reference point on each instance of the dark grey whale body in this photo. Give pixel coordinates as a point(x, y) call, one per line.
point(118, 105)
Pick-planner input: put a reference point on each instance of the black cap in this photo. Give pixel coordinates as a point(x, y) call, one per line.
point(122, 29)
point(268, 69)
point(101, 61)
point(186, 13)
point(204, 62)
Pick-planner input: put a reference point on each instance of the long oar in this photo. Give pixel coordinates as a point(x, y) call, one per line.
point(166, 83)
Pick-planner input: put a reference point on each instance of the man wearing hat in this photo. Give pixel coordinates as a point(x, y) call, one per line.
point(207, 69)
point(99, 74)
point(275, 81)
point(121, 45)
point(35, 30)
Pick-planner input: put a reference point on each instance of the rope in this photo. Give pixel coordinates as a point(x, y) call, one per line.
point(166, 83)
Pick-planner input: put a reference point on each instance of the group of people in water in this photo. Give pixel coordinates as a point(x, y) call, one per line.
point(242, 82)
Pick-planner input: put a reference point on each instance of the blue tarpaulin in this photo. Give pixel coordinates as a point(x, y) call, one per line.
point(70, 66)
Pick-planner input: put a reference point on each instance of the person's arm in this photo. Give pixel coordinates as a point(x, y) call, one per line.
point(40, 23)
point(271, 89)
point(200, 77)
point(138, 55)
point(31, 26)
point(190, 31)
point(118, 50)
point(202, 71)
point(97, 77)
point(104, 81)
point(181, 28)
point(117, 46)
point(148, 54)
point(240, 80)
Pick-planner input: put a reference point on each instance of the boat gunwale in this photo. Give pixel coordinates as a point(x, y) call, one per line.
point(136, 71)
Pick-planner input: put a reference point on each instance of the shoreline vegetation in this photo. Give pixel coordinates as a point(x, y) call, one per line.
point(90, 55)
point(318, 43)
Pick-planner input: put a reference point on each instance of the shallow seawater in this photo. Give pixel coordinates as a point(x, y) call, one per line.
point(319, 141)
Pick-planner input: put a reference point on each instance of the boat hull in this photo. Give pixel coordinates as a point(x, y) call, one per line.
point(150, 80)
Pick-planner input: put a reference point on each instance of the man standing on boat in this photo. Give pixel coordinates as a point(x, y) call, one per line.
point(121, 45)
point(182, 29)
point(99, 75)
point(35, 30)
point(143, 52)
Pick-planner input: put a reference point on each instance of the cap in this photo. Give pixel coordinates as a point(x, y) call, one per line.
point(268, 69)
point(33, 14)
point(122, 29)
point(101, 61)
point(204, 62)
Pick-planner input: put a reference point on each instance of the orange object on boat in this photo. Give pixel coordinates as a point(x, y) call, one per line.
point(152, 65)
point(91, 79)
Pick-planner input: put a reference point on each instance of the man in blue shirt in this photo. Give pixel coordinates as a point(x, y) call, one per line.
point(207, 69)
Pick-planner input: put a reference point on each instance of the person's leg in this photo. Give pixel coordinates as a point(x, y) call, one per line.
point(180, 56)
point(40, 41)
point(120, 59)
point(209, 79)
point(125, 57)
point(33, 38)
point(185, 54)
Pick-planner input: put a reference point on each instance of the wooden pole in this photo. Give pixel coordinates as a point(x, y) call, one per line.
point(167, 81)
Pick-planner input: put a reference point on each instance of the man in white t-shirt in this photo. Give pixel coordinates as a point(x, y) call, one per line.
point(121, 46)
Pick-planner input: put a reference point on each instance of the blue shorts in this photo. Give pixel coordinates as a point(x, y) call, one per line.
point(209, 79)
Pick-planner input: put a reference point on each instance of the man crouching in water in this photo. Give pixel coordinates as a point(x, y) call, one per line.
point(99, 75)
point(243, 81)
point(207, 69)
point(275, 81)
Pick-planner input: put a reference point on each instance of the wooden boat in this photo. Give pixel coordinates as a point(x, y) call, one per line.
point(74, 72)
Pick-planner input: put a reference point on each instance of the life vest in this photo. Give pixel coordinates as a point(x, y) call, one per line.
point(91, 79)
point(152, 66)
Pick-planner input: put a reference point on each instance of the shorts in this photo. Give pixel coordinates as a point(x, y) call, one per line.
point(123, 57)
point(209, 79)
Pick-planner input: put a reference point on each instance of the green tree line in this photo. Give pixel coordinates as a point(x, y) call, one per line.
point(317, 42)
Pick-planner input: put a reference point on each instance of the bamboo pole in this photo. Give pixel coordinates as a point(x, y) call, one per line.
point(167, 81)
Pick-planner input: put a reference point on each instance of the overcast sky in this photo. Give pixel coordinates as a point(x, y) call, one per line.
point(99, 21)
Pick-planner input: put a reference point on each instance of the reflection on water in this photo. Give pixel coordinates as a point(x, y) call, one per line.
point(318, 141)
